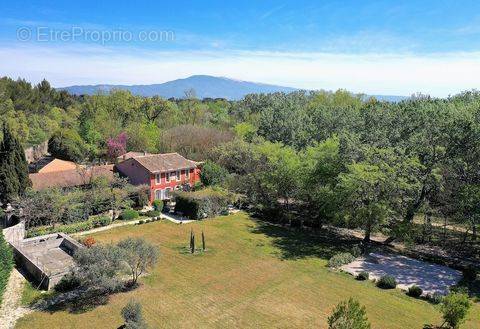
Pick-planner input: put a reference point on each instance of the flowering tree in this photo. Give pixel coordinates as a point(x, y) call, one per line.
point(117, 146)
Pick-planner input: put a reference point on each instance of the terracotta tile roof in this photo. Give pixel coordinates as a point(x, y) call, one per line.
point(58, 165)
point(164, 162)
point(69, 178)
point(132, 154)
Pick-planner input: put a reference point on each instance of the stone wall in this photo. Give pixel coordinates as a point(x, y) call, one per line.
point(33, 153)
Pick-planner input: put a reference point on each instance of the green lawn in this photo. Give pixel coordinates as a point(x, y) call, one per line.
point(254, 275)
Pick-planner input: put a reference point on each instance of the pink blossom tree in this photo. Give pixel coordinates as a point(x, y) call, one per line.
point(117, 146)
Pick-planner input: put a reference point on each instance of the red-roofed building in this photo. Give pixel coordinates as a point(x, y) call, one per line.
point(163, 173)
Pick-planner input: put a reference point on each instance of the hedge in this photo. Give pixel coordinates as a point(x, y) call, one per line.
point(129, 214)
point(202, 204)
point(6, 264)
point(91, 223)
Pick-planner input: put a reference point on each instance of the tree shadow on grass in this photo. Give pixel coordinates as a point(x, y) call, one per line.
point(472, 288)
point(79, 301)
point(298, 243)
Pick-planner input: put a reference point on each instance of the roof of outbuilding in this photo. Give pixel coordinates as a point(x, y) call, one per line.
point(132, 154)
point(58, 165)
point(69, 178)
point(164, 162)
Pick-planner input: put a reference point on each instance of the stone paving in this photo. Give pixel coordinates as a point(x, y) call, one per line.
point(432, 278)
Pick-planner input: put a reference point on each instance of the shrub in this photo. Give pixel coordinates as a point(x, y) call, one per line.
point(340, 259)
point(387, 282)
point(349, 315)
point(129, 214)
point(362, 276)
point(212, 174)
point(158, 205)
point(89, 242)
point(356, 251)
point(141, 221)
point(67, 283)
point(470, 273)
point(152, 213)
point(435, 298)
point(202, 204)
point(455, 308)
point(101, 221)
point(414, 291)
point(6, 264)
point(132, 314)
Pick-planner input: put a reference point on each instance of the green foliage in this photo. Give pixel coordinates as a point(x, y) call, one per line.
point(129, 214)
point(212, 174)
point(99, 268)
point(414, 291)
point(67, 145)
point(132, 314)
point(435, 298)
point(387, 282)
point(470, 273)
point(340, 259)
point(13, 168)
point(101, 221)
point(348, 315)
point(91, 223)
point(202, 204)
point(139, 256)
point(67, 283)
point(363, 276)
point(152, 213)
point(6, 264)
point(455, 307)
point(158, 205)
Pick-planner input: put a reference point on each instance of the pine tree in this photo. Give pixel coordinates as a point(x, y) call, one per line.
point(13, 168)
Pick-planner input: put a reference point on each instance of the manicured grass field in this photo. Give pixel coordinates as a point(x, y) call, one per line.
point(252, 276)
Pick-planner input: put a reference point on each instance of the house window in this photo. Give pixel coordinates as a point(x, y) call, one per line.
point(167, 193)
point(167, 177)
point(159, 194)
point(173, 175)
point(187, 174)
point(158, 178)
point(179, 177)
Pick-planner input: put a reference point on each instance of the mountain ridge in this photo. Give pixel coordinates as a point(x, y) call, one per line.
point(205, 86)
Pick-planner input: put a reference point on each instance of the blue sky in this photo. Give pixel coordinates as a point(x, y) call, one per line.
point(382, 47)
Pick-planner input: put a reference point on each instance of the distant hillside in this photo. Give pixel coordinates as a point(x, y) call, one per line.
point(204, 86)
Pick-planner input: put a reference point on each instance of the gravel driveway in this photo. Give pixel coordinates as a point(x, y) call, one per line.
point(432, 278)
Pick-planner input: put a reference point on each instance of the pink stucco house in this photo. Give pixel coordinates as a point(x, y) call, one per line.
point(163, 173)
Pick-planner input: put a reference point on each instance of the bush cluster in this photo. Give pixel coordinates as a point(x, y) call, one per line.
point(202, 204)
point(414, 291)
point(158, 205)
point(362, 276)
point(387, 282)
point(129, 214)
point(470, 273)
point(6, 264)
point(89, 224)
point(152, 213)
point(340, 259)
point(435, 298)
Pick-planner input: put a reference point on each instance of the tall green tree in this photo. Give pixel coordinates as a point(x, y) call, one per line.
point(13, 167)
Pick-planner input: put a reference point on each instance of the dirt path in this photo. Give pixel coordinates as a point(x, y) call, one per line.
point(11, 309)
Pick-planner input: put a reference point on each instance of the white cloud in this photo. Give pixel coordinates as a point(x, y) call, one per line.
point(393, 74)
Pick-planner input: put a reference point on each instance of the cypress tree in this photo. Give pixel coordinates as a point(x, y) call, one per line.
point(203, 241)
point(13, 167)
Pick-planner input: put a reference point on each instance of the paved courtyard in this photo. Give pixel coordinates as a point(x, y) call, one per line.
point(432, 278)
